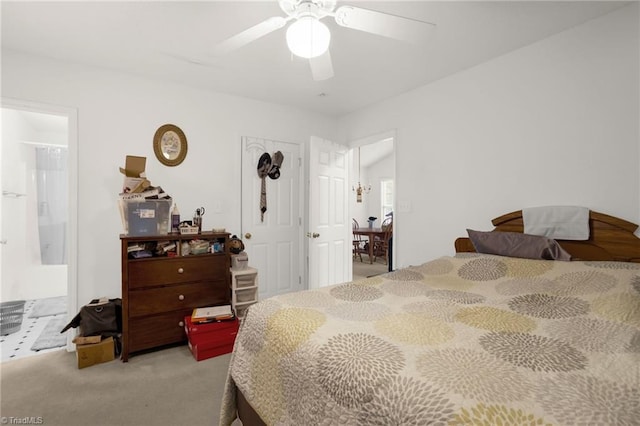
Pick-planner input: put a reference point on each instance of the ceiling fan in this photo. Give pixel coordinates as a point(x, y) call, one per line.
point(308, 37)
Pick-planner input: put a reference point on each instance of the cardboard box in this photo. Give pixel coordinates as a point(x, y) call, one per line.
point(95, 353)
point(134, 166)
point(135, 179)
point(208, 340)
point(85, 340)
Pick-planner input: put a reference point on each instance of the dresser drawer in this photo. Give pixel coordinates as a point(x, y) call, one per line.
point(157, 330)
point(155, 300)
point(162, 271)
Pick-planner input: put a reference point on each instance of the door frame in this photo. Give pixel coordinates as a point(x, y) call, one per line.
point(371, 139)
point(72, 176)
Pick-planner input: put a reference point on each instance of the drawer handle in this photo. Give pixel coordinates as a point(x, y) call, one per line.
point(181, 324)
point(180, 270)
point(181, 297)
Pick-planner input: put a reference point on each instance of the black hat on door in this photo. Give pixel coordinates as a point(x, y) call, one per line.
point(264, 164)
point(274, 172)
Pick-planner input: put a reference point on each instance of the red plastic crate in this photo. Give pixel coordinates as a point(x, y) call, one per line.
point(202, 347)
point(192, 328)
point(208, 340)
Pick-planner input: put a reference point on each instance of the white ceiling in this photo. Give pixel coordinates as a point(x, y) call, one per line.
point(152, 39)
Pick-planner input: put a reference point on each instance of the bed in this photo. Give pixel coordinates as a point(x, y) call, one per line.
point(473, 338)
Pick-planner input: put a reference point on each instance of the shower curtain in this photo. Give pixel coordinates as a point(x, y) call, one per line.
point(52, 192)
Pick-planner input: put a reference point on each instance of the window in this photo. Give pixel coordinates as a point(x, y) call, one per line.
point(386, 197)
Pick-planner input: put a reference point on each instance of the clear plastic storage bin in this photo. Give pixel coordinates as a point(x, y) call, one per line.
point(147, 217)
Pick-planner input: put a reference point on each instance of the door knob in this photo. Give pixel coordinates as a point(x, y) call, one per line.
point(314, 235)
point(247, 235)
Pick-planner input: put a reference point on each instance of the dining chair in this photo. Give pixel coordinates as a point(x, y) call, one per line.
point(381, 244)
point(359, 243)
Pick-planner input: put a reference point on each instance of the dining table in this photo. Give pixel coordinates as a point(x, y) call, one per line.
point(371, 233)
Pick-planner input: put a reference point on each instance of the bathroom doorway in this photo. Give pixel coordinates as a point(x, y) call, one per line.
point(38, 226)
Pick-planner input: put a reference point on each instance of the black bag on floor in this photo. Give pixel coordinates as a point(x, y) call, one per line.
point(99, 317)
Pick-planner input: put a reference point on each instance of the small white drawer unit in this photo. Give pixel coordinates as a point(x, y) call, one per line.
point(244, 290)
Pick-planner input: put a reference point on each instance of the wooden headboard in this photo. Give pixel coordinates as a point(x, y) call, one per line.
point(610, 238)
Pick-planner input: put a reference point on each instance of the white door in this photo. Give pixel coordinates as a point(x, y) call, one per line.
point(329, 233)
point(273, 243)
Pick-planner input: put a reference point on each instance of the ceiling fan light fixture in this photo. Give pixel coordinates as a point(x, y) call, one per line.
point(308, 37)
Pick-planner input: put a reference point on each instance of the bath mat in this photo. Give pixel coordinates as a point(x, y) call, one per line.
point(51, 336)
point(49, 306)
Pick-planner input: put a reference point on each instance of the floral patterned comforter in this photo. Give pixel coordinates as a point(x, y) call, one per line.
point(458, 340)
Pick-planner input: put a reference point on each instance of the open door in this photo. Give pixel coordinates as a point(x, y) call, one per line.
point(329, 233)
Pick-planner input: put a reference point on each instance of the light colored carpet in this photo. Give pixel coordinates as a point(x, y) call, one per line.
point(365, 269)
point(51, 337)
point(165, 387)
point(49, 306)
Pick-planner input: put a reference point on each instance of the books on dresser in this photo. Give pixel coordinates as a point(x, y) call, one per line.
point(212, 313)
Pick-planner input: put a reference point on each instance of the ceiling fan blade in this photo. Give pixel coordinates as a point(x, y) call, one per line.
point(384, 24)
point(193, 60)
point(250, 34)
point(321, 67)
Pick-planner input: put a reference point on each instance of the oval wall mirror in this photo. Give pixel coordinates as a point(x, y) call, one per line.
point(170, 145)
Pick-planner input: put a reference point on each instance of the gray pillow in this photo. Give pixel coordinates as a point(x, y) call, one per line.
point(515, 244)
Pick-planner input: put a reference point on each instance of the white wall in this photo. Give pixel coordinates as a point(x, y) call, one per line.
point(553, 123)
point(118, 115)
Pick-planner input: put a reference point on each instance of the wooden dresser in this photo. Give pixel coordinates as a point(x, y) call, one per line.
point(159, 291)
